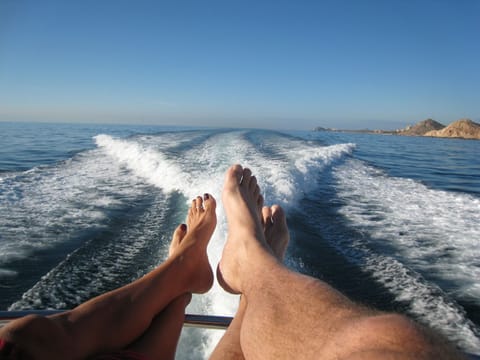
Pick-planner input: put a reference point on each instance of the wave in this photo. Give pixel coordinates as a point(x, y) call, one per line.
point(431, 236)
point(79, 206)
point(131, 193)
point(284, 179)
point(420, 222)
point(47, 206)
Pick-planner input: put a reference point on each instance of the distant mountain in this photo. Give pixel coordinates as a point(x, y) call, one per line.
point(421, 128)
point(463, 128)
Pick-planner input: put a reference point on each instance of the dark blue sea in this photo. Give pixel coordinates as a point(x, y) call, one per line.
point(393, 222)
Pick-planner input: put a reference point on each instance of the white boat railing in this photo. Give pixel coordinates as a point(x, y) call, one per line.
point(191, 320)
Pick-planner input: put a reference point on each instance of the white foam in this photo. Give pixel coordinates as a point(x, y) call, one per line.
point(144, 161)
point(280, 178)
point(420, 222)
point(45, 206)
point(101, 265)
point(70, 197)
point(426, 302)
point(430, 231)
point(201, 169)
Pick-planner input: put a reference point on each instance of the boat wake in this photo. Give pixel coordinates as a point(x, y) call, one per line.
point(105, 217)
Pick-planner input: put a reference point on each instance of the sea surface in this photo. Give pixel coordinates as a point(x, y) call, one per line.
point(393, 222)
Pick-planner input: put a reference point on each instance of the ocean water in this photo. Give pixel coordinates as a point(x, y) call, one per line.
point(393, 222)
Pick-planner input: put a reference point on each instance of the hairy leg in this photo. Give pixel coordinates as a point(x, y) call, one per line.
point(277, 236)
point(289, 315)
point(228, 347)
point(113, 320)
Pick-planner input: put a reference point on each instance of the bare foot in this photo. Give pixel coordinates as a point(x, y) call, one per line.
point(243, 203)
point(189, 243)
point(276, 230)
point(277, 237)
point(177, 237)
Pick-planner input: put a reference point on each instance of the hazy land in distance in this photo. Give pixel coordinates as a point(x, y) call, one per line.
point(460, 129)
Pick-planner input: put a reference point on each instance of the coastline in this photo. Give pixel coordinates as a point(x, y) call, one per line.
point(464, 129)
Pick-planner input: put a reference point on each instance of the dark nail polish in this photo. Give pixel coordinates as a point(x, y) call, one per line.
point(205, 196)
point(183, 227)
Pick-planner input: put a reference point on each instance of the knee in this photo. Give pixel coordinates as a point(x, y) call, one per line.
point(30, 326)
point(398, 333)
point(36, 335)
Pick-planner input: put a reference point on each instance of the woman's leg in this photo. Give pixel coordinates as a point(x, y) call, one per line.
point(114, 320)
point(161, 338)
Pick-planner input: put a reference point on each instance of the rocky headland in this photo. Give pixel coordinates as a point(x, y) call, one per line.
point(422, 128)
point(461, 129)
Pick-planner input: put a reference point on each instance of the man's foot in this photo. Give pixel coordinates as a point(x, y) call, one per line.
point(177, 237)
point(276, 230)
point(246, 240)
point(277, 237)
point(189, 242)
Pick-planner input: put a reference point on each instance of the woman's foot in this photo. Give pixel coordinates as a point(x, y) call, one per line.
point(246, 239)
point(190, 240)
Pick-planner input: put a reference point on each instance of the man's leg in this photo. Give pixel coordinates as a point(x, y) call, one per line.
point(113, 320)
point(289, 315)
point(228, 348)
point(277, 236)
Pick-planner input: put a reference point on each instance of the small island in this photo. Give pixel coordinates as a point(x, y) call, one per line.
point(460, 129)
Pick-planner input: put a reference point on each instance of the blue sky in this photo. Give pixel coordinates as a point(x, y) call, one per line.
point(272, 64)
